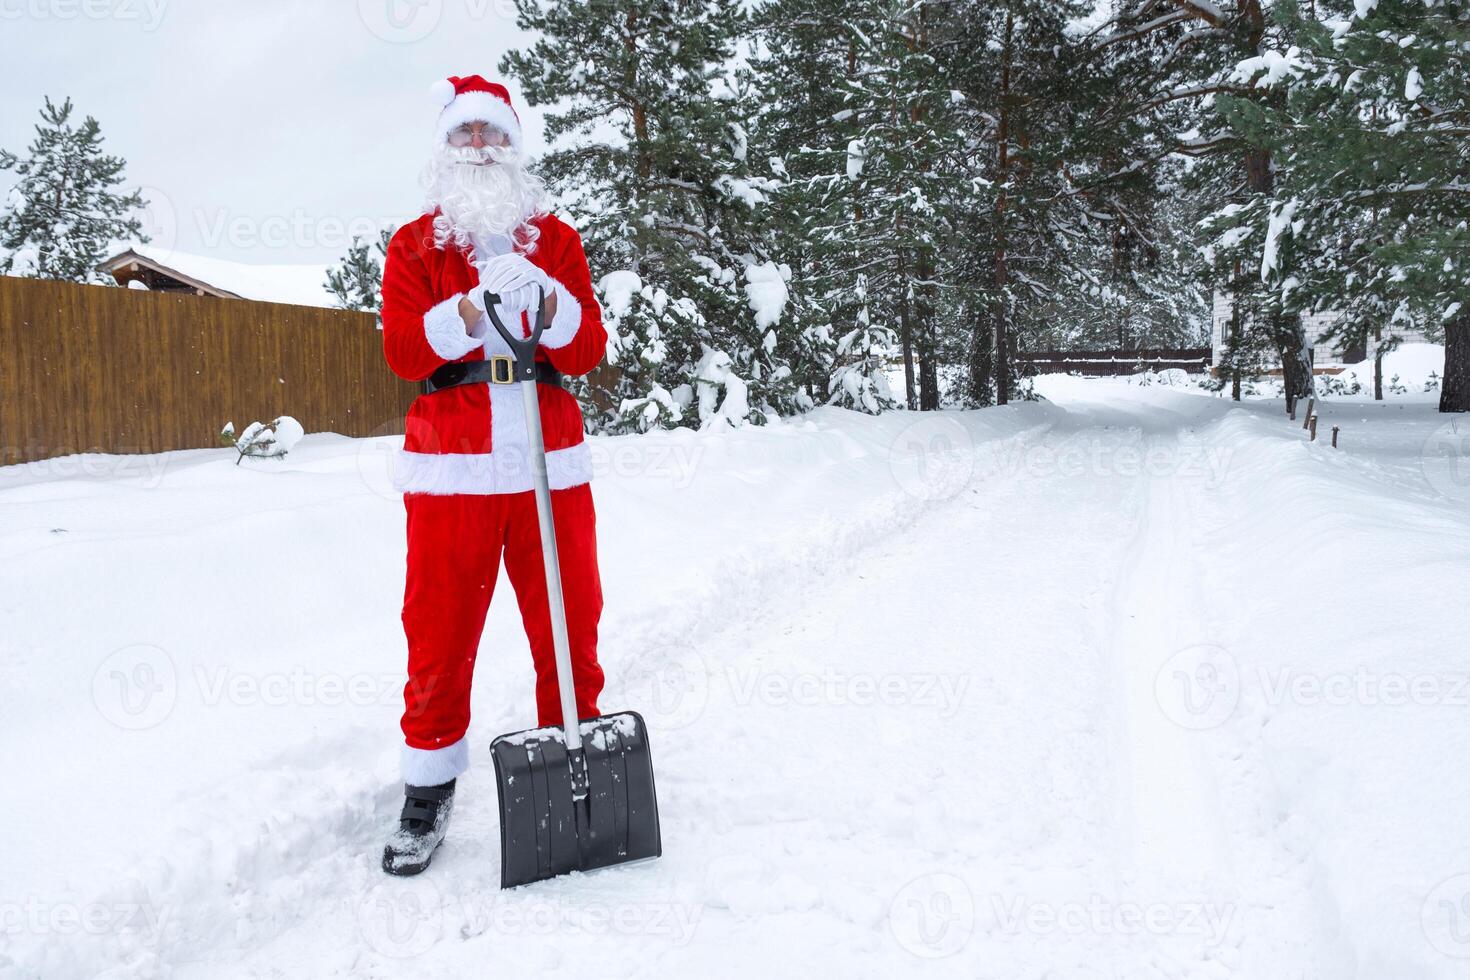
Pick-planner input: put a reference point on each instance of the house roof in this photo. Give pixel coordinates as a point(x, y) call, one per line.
point(298, 285)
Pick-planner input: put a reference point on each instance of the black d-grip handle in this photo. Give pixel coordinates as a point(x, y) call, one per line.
point(523, 349)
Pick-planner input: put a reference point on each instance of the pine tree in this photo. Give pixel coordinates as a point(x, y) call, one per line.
point(64, 211)
point(357, 282)
point(1043, 188)
point(1372, 215)
point(805, 55)
point(672, 206)
point(1185, 56)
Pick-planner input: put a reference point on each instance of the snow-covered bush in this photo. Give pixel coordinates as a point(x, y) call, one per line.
point(267, 440)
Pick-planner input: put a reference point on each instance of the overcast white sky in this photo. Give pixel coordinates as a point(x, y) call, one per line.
point(262, 130)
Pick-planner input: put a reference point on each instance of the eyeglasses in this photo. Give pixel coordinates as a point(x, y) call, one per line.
point(465, 135)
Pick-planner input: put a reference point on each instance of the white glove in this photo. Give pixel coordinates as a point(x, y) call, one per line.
point(515, 301)
point(511, 271)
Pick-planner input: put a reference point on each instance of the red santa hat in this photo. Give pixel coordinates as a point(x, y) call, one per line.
point(472, 99)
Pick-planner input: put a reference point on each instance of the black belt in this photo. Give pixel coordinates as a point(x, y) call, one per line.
point(498, 369)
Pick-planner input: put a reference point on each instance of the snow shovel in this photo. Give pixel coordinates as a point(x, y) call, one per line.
point(580, 796)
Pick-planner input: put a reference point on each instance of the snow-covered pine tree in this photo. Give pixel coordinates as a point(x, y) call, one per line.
point(357, 281)
point(64, 211)
point(1136, 279)
point(652, 156)
point(1020, 88)
point(806, 54)
point(862, 121)
point(1373, 201)
point(1187, 56)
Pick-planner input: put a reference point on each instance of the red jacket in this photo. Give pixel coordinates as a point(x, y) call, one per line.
point(472, 438)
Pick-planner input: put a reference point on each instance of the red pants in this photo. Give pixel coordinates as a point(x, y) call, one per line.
point(455, 544)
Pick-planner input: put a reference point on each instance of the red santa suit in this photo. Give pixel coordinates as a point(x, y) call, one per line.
point(466, 479)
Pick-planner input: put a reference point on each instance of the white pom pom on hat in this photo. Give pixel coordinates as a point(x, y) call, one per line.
point(473, 99)
point(442, 92)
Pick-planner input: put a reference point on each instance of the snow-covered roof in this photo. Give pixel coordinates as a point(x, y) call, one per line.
point(299, 285)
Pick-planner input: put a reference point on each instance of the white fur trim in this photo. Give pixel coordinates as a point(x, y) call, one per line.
point(445, 331)
point(442, 92)
point(506, 470)
point(431, 767)
point(568, 319)
point(479, 107)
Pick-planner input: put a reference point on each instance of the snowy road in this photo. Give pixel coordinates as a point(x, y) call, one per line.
point(1025, 693)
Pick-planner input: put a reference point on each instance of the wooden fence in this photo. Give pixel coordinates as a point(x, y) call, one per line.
point(1111, 362)
point(103, 369)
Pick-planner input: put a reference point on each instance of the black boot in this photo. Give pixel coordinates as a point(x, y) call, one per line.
point(421, 828)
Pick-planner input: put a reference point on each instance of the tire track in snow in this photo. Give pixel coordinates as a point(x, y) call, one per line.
point(1172, 804)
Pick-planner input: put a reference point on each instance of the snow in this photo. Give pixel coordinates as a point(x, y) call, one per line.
point(1280, 220)
point(298, 285)
point(1271, 66)
point(857, 156)
point(1413, 84)
point(750, 191)
point(618, 289)
point(766, 292)
point(1415, 365)
point(288, 433)
point(1131, 682)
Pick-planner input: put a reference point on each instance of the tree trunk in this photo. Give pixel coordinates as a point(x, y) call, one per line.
point(927, 330)
point(1002, 175)
point(1454, 387)
point(906, 336)
point(979, 362)
point(1378, 364)
point(1002, 350)
point(630, 85)
point(1296, 357)
point(1233, 344)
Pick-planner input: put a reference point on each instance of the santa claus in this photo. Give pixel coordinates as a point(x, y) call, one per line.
point(464, 470)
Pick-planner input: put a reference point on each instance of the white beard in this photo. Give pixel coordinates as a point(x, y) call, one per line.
point(496, 198)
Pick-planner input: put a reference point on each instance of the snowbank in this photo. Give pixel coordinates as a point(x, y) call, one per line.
point(1414, 365)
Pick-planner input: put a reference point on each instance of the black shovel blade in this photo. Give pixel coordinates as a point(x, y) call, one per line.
point(545, 831)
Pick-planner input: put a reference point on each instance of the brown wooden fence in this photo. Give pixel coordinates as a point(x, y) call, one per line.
point(103, 369)
point(1111, 362)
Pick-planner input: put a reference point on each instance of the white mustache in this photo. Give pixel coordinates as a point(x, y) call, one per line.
point(479, 156)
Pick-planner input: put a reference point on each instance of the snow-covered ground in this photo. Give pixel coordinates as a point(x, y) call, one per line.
point(1129, 683)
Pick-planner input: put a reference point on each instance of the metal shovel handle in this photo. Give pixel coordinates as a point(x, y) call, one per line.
point(523, 349)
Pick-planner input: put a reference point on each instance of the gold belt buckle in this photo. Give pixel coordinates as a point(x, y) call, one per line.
point(502, 369)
